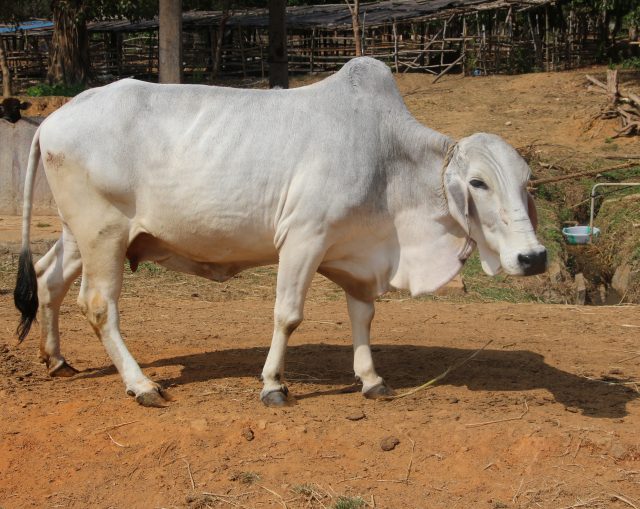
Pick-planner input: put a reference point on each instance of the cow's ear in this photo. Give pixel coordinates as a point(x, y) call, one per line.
point(457, 194)
point(24, 105)
point(533, 213)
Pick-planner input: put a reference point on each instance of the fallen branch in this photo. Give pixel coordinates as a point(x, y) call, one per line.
point(117, 443)
point(225, 499)
point(478, 424)
point(624, 499)
point(435, 380)
point(193, 484)
point(280, 499)
point(413, 447)
point(589, 173)
point(116, 426)
point(625, 107)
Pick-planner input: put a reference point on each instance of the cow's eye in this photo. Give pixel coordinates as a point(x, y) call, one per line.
point(478, 184)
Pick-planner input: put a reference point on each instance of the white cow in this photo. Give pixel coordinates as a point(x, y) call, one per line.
point(336, 178)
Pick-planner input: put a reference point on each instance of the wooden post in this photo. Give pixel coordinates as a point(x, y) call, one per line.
point(278, 61)
point(355, 23)
point(363, 30)
point(170, 41)
point(6, 73)
point(422, 43)
point(118, 47)
point(546, 36)
point(395, 45)
point(464, 45)
point(242, 55)
point(313, 49)
point(444, 36)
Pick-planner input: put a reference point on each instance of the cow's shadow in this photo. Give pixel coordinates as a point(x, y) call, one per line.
point(405, 366)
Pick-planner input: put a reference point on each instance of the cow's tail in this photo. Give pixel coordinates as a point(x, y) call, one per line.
point(25, 295)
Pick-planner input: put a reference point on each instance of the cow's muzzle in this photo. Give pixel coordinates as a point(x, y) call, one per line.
point(533, 263)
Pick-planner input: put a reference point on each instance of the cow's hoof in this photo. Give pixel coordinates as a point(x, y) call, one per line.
point(381, 390)
point(155, 398)
point(276, 398)
point(63, 370)
point(152, 396)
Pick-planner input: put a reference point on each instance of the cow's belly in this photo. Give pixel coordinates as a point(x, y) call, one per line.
point(205, 224)
point(223, 242)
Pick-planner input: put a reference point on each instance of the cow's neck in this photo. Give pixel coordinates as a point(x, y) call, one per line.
point(432, 246)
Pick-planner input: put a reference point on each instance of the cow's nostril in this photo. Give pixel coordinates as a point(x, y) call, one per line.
point(525, 259)
point(533, 263)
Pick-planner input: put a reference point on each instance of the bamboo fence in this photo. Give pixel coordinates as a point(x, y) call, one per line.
point(478, 37)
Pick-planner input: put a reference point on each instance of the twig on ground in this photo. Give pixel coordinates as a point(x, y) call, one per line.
point(225, 499)
point(117, 443)
point(515, 497)
point(629, 358)
point(624, 499)
point(413, 446)
point(352, 479)
point(477, 424)
point(193, 484)
point(435, 380)
point(279, 498)
point(580, 504)
point(116, 426)
point(577, 449)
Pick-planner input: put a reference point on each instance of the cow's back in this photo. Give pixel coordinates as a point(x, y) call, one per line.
point(224, 160)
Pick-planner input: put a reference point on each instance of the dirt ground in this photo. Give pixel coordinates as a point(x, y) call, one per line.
point(546, 416)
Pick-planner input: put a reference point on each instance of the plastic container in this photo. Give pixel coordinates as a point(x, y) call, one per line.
point(579, 234)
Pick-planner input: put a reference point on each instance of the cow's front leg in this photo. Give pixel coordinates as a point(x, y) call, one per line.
point(361, 315)
point(296, 268)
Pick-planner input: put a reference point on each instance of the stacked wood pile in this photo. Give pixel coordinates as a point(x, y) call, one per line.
point(623, 106)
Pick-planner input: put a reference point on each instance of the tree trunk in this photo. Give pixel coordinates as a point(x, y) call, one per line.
point(355, 22)
point(6, 74)
point(69, 53)
point(278, 60)
point(170, 41)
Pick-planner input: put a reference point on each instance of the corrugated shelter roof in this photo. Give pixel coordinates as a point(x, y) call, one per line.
point(26, 26)
point(332, 16)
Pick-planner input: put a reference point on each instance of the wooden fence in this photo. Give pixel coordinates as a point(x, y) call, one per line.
point(509, 38)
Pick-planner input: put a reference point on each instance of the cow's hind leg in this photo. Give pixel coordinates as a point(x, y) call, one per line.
point(295, 272)
point(56, 270)
point(103, 263)
point(361, 315)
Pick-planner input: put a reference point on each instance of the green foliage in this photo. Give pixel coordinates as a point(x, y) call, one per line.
point(491, 289)
point(631, 63)
point(44, 89)
point(15, 11)
point(349, 503)
point(248, 477)
point(623, 174)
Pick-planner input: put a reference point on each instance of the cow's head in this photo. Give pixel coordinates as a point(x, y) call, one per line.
point(485, 183)
point(10, 109)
